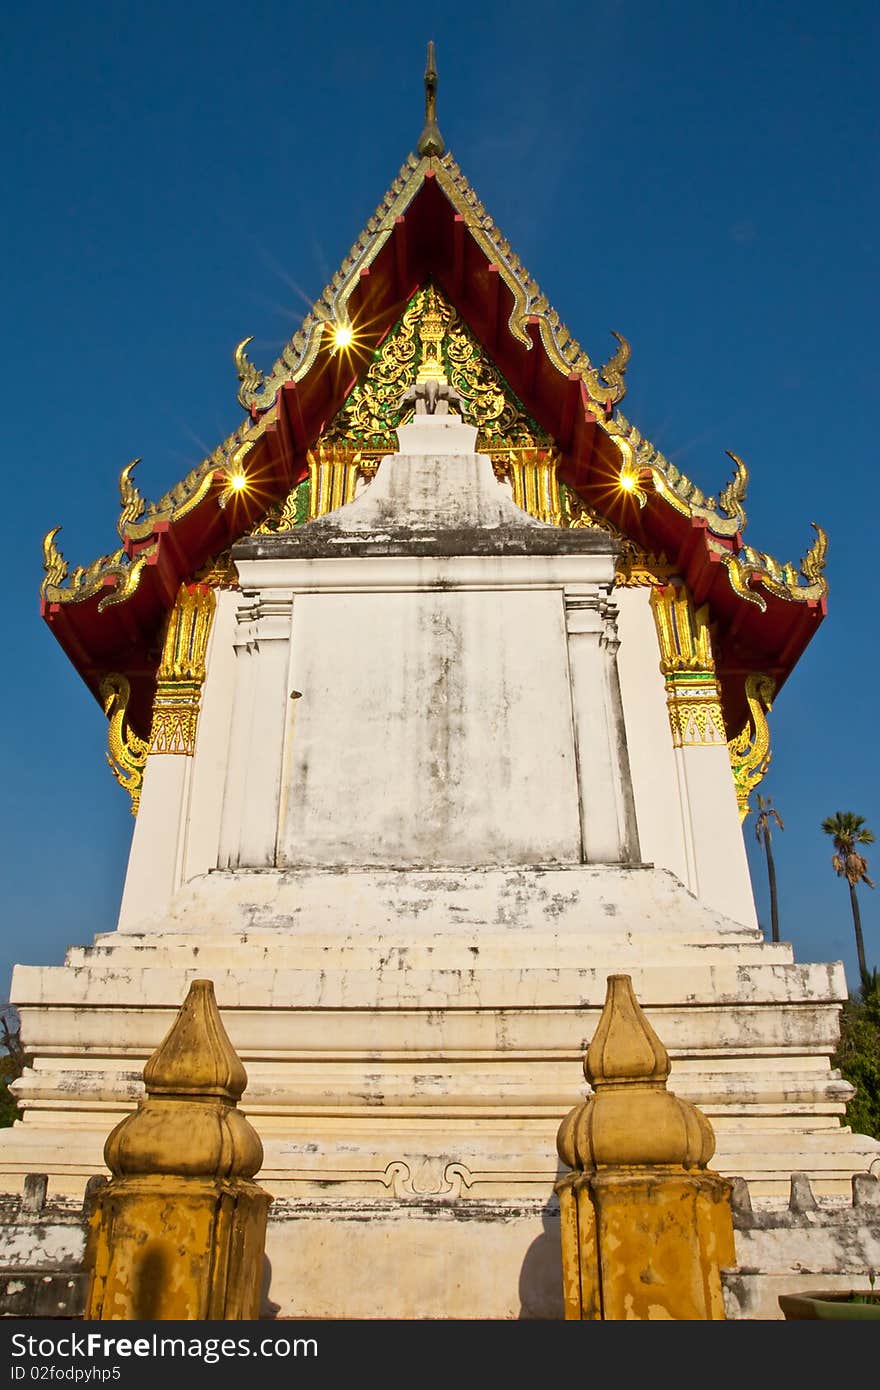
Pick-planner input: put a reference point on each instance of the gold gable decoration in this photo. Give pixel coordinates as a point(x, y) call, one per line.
point(368, 420)
point(364, 430)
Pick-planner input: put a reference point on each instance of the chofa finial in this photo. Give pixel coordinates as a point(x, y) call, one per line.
point(431, 141)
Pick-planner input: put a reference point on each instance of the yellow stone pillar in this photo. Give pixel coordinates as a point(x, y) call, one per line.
point(179, 1232)
point(646, 1226)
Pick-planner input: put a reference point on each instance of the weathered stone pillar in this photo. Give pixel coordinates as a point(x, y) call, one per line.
point(179, 1231)
point(646, 1227)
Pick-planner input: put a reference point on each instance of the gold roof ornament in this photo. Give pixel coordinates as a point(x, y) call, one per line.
point(750, 750)
point(431, 142)
point(614, 369)
point(55, 567)
point(127, 752)
point(732, 497)
point(130, 499)
point(250, 378)
point(812, 566)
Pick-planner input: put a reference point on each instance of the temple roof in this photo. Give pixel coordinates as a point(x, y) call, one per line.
point(431, 228)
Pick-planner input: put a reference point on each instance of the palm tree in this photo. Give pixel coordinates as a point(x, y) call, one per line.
point(766, 813)
point(849, 830)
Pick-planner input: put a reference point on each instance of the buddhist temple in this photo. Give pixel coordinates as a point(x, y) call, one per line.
point(438, 695)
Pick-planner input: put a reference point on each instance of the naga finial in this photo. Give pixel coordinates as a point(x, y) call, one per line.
point(812, 566)
point(54, 564)
point(613, 372)
point(431, 141)
point(130, 499)
point(249, 376)
point(732, 497)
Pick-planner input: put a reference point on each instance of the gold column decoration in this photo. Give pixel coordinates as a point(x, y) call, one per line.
point(127, 752)
point(646, 1225)
point(182, 671)
point(179, 1231)
point(750, 750)
point(532, 475)
point(333, 477)
point(686, 660)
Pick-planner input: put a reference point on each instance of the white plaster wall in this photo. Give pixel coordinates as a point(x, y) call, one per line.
point(685, 798)
point(652, 765)
point(433, 728)
point(722, 872)
point(153, 863)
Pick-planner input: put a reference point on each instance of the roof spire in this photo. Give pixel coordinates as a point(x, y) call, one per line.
point(431, 141)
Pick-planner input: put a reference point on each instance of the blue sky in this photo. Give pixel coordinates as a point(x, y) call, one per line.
point(700, 177)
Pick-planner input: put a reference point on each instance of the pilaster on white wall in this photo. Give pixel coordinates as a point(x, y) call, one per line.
point(655, 775)
point(212, 742)
point(607, 816)
point(249, 824)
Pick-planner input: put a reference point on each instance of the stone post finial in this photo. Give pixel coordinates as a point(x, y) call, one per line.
point(646, 1226)
point(632, 1118)
point(196, 1058)
point(625, 1049)
point(188, 1123)
point(431, 142)
point(179, 1232)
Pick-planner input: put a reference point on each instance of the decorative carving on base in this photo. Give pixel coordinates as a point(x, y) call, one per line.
point(433, 1178)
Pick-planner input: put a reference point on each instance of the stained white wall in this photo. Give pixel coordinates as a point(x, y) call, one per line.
point(433, 728)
